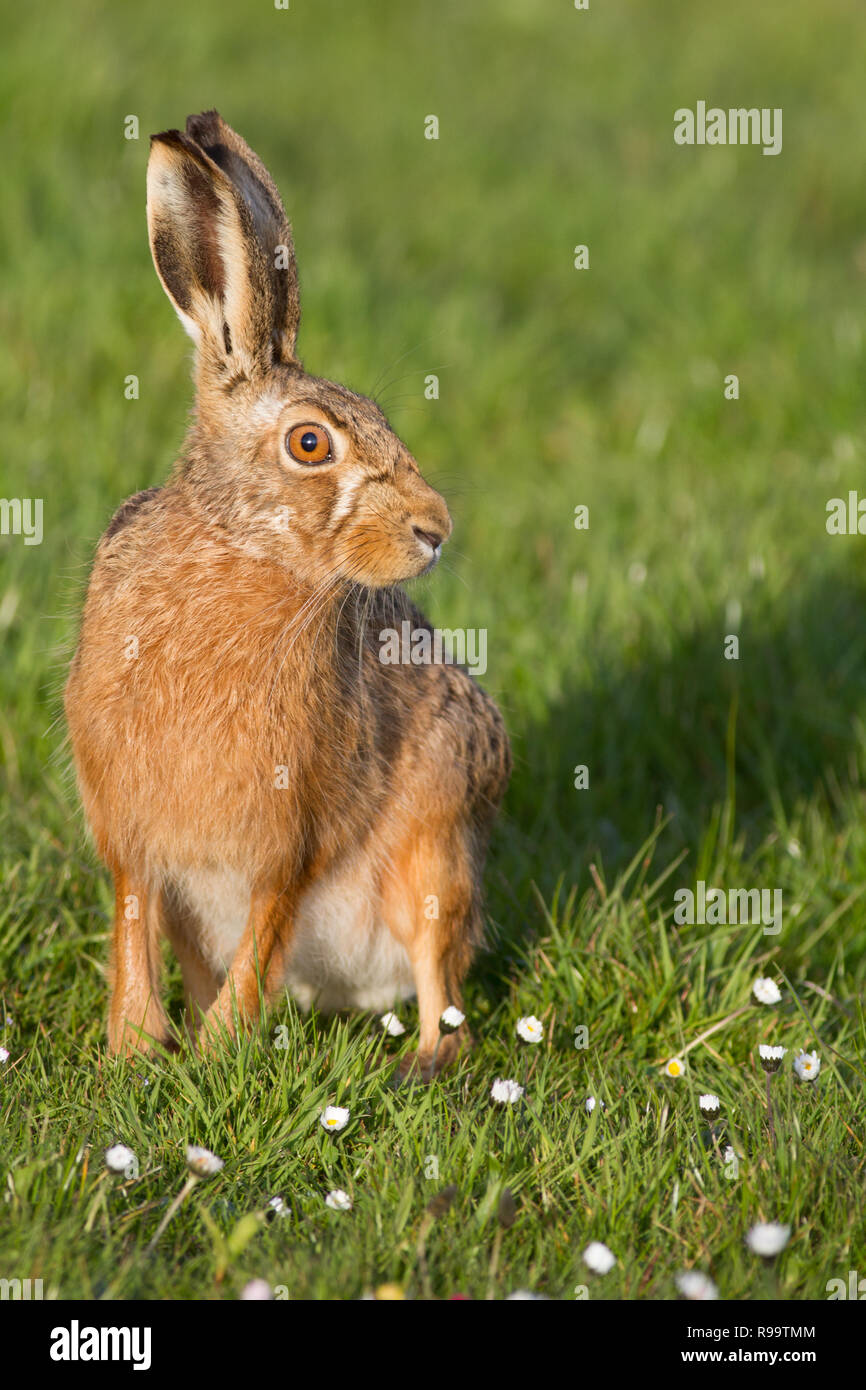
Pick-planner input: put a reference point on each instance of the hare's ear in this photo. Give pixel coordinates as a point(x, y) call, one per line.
point(252, 181)
point(236, 303)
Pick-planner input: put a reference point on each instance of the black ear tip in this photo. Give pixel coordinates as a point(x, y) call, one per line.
point(205, 124)
point(167, 137)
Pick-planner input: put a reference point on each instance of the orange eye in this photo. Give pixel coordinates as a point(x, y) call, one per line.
point(309, 444)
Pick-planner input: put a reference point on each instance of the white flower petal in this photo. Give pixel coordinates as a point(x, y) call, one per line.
point(257, 1290)
point(768, 1238)
point(392, 1025)
point(598, 1257)
point(766, 991)
point(807, 1065)
point(530, 1029)
point(695, 1286)
point(119, 1158)
point(506, 1092)
point(338, 1200)
point(202, 1162)
point(334, 1118)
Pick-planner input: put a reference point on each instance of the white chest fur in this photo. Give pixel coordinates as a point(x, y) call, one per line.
point(343, 956)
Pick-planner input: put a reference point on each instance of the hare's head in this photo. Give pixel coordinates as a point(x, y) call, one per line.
point(290, 467)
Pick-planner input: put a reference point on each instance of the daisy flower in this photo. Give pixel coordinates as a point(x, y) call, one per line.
point(771, 1057)
point(530, 1029)
point(695, 1286)
point(278, 1206)
point(119, 1158)
point(807, 1065)
point(598, 1257)
point(590, 1103)
point(392, 1025)
point(202, 1162)
point(256, 1291)
point(334, 1118)
point(506, 1092)
point(709, 1103)
point(768, 1238)
point(675, 1067)
point(451, 1020)
point(766, 991)
point(338, 1200)
point(4, 1054)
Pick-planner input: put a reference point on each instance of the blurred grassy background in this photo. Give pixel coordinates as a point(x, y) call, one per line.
point(558, 387)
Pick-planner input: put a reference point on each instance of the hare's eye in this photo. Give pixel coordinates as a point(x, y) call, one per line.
point(309, 444)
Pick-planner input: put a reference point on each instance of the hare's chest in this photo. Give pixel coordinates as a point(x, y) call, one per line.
point(342, 956)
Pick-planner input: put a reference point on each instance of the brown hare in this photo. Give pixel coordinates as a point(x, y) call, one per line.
point(287, 809)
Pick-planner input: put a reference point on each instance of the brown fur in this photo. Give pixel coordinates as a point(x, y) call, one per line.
point(255, 588)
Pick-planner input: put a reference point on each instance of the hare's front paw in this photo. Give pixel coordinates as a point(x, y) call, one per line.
point(152, 1036)
point(424, 1065)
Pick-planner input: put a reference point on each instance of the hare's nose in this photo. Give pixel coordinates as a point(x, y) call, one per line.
point(430, 538)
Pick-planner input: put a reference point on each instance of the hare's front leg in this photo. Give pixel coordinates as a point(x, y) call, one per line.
point(430, 903)
point(136, 1016)
point(259, 959)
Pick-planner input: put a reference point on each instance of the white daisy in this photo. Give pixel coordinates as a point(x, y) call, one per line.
point(766, 991)
point(695, 1286)
point(257, 1290)
point(334, 1118)
point(278, 1206)
point(771, 1057)
point(768, 1238)
point(675, 1067)
point(338, 1200)
point(530, 1029)
point(807, 1065)
point(451, 1020)
point(119, 1158)
point(506, 1092)
point(202, 1162)
point(392, 1025)
point(709, 1103)
point(590, 1103)
point(598, 1257)
point(4, 1054)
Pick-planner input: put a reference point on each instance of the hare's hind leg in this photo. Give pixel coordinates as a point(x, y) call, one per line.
point(430, 903)
point(136, 1017)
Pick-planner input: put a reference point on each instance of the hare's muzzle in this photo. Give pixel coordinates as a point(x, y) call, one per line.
point(431, 542)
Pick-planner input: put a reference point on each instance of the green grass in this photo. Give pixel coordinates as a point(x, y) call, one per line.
point(605, 646)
